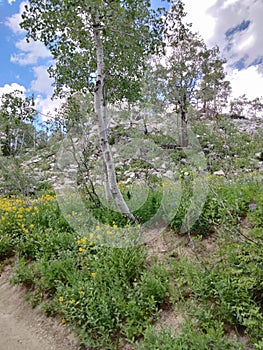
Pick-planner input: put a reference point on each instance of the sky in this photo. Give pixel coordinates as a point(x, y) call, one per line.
point(234, 25)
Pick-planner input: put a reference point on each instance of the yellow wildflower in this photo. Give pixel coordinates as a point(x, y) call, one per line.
point(115, 226)
point(97, 228)
point(73, 301)
point(83, 240)
point(93, 274)
point(91, 243)
point(91, 235)
point(60, 299)
point(63, 320)
point(109, 232)
point(81, 249)
point(81, 292)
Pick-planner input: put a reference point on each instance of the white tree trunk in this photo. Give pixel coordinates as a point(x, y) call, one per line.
point(100, 111)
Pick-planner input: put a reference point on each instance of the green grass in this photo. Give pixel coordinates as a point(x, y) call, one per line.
point(109, 295)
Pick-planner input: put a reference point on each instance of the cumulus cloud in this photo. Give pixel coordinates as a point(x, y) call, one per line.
point(44, 105)
point(238, 31)
point(13, 21)
point(247, 82)
point(7, 88)
point(198, 15)
point(42, 83)
point(47, 107)
point(10, 1)
point(31, 52)
point(236, 27)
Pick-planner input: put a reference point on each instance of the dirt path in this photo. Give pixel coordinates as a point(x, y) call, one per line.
point(22, 328)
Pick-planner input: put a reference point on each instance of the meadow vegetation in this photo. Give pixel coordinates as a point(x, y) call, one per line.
point(110, 296)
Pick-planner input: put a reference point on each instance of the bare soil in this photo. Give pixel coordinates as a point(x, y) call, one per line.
point(24, 328)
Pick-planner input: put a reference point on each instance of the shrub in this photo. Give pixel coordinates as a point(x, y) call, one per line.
point(115, 295)
point(193, 336)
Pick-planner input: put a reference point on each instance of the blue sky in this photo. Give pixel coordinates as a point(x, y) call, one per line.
point(9, 72)
point(16, 65)
point(234, 25)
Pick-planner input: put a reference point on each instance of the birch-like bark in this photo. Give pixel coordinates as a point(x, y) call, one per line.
point(100, 111)
point(184, 121)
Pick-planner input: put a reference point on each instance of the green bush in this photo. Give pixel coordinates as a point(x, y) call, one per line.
point(115, 295)
point(25, 273)
point(233, 284)
point(6, 246)
point(227, 203)
point(193, 336)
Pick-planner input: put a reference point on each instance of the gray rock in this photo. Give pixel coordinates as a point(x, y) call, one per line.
point(169, 174)
point(219, 173)
point(259, 155)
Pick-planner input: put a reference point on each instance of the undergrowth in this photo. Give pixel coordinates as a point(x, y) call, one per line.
point(109, 295)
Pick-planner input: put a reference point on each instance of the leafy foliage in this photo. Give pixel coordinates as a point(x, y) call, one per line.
point(231, 279)
point(193, 336)
point(16, 113)
point(74, 47)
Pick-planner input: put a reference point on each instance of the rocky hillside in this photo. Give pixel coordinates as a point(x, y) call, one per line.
point(139, 155)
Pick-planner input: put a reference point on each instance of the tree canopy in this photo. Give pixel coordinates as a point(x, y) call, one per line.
point(130, 31)
point(16, 115)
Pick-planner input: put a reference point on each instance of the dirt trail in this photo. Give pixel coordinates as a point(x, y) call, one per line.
point(24, 328)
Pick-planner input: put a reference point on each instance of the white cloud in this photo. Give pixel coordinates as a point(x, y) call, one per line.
point(10, 1)
point(248, 82)
point(8, 88)
point(47, 107)
point(197, 14)
point(228, 3)
point(213, 18)
point(31, 52)
point(246, 44)
point(13, 21)
point(42, 83)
